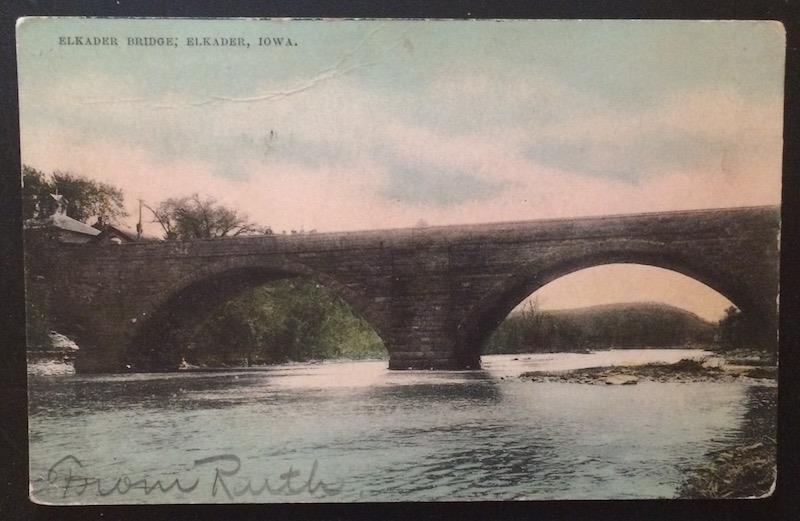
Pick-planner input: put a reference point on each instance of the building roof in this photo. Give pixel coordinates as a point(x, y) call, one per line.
point(123, 233)
point(63, 222)
point(110, 231)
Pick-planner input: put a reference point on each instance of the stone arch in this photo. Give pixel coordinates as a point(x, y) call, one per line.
point(483, 317)
point(195, 295)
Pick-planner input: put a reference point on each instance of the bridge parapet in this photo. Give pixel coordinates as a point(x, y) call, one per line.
point(433, 294)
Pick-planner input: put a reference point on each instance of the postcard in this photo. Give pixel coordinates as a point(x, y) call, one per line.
point(328, 260)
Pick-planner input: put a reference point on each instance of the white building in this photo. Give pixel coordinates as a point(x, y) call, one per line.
point(51, 216)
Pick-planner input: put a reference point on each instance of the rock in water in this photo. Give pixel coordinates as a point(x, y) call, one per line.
point(61, 342)
point(621, 379)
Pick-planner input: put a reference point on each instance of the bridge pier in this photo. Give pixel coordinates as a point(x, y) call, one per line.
point(433, 361)
point(433, 294)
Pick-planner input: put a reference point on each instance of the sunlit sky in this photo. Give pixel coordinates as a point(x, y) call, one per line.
point(630, 283)
point(381, 124)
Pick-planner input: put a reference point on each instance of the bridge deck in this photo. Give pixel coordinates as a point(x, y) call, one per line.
point(703, 221)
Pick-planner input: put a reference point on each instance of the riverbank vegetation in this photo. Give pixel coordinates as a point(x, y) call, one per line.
point(286, 320)
point(629, 325)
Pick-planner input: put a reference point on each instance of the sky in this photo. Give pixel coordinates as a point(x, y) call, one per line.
point(381, 124)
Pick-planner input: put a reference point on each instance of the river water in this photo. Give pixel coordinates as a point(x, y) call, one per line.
point(354, 431)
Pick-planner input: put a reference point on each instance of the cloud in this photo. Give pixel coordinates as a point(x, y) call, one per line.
point(416, 184)
point(463, 144)
point(447, 122)
point(704, 131)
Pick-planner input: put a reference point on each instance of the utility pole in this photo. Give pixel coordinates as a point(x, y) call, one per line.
point(139, 224)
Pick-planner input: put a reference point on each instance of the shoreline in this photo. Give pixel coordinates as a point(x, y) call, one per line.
point(719, 367)
point(744, 467)
point(714, 367)
point(190, 368)
point(747, 467)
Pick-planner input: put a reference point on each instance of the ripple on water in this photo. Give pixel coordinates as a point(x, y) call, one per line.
point(388, 436)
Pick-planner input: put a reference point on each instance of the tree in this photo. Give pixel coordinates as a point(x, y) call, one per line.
point(193, 217)
point(85, 197)
point(731, 329)
point(35, 185)
point(290, 319)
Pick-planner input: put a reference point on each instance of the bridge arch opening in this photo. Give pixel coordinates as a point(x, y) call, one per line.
point(253, 316)
point(609, 303)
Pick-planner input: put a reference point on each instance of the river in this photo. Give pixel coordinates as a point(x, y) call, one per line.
point(354, 431)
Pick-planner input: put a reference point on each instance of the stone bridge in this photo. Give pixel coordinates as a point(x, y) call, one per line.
point(434, 294)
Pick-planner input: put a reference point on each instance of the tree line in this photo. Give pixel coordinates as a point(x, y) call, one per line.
point(626, 325)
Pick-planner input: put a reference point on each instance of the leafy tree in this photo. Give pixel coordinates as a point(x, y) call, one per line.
point(34, 186)
point(193, 217)
point(285, 320)
point(86, 198)
point(731, 329)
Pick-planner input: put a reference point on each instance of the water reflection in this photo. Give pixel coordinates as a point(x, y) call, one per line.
point(475, 388)
point(386, 436)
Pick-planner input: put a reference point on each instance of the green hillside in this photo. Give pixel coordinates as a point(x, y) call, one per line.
point(627, 325)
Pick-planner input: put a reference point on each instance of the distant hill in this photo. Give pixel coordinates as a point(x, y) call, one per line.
point(625, 325)
point(635, 311)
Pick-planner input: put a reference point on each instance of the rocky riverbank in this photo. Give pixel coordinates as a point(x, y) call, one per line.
point(55, 359)
point(746, 468)
point(52, 367)
point(718, 368)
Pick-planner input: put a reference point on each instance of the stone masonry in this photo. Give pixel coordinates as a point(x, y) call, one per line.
point(432, 294)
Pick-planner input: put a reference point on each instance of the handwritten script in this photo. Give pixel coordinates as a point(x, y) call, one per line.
point(218, 473)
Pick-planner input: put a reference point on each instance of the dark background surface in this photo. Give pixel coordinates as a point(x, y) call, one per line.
point(14, 503)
